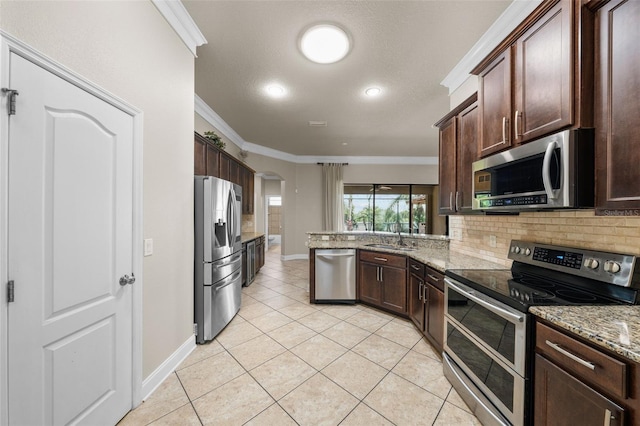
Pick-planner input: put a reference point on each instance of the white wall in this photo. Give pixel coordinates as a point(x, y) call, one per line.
point(129, 49)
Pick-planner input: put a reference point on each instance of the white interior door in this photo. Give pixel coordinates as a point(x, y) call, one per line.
point(70, 219)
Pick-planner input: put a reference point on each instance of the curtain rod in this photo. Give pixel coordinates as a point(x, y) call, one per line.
point(342, 164)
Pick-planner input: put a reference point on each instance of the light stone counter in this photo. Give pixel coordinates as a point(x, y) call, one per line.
point(248, 236)
point(432, 250)
point(616, 328)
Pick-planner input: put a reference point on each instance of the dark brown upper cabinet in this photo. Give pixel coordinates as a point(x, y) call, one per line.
point(211, 161)
point(617, 104)
point(458, 151)
point(538, 80)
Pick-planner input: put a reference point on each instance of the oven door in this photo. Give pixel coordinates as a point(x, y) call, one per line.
point(486, 340)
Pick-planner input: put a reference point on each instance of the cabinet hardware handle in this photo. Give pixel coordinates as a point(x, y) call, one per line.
point(417, 268)
point(377, 273)
point(433, 277)
point(420, 290)
point(607, 417)
point(457, 206)
point(424, 294)
point(569, 355)
point(505, 121)
point(451, 201)
point(516, 122)
point(382, 259)
point(381, 276)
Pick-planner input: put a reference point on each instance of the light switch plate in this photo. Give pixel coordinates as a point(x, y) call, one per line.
point(148, 246)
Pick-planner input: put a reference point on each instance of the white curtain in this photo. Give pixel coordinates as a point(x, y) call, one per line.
point(333, 193)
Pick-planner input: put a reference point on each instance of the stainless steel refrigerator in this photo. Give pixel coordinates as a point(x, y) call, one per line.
point(218, 255)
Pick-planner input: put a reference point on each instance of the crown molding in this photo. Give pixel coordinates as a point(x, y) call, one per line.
point(206, 112)
point(517, 12)
point(181, 22)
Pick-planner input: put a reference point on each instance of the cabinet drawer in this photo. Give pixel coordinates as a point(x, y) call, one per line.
point(384, 259)
point(434, 278)
point(588, 364)
point(416, 268)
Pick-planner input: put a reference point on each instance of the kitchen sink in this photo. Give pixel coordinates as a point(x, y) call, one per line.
point(391, 247)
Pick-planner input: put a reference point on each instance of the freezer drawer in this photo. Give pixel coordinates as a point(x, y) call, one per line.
point(335, 276)
point(219, 304)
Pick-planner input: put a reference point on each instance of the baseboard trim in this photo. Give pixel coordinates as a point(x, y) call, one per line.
point(295, 257)
point(155, 379)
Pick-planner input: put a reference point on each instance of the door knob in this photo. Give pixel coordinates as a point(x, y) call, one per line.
point(126, 279)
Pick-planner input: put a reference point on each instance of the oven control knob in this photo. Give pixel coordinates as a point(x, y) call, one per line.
point(591, 263)
point(515, 249)
point(527, 251)
point(611, 266)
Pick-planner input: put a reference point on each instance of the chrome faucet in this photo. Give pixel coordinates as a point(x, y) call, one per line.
point(400, 240)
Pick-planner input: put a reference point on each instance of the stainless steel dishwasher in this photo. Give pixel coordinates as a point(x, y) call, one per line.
point(335, 276)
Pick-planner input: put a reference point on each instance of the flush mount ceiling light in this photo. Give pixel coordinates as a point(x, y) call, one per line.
point(325, 44)
point(275, 91)
point(372, 91)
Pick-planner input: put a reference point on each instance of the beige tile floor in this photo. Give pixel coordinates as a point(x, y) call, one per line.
point(284, 361)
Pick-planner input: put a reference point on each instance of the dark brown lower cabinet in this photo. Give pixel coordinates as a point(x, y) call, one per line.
point(383, 281)
point(561, 399)
point(434, 324)
point(370, 288)
point(416, 294)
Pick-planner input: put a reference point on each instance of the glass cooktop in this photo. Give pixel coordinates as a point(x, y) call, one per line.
point(521, 289)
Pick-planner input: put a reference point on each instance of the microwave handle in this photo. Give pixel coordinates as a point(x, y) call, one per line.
point(546, 172)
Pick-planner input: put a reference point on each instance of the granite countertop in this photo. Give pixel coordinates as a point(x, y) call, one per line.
point(248, 236)
point(616, 328)
point(439, 259)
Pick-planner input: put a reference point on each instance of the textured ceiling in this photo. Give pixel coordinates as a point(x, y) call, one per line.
point(404, 47)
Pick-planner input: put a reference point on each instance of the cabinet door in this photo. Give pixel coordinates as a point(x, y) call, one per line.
point(467, 153)
point(494, 98)
point(200, 157)
point(447, 167)
point(225, 165)
point(561, 399)
point(434, 327)
point(234, 172)
point(370, 288)
point(249, 191)
point(416, 307)
point(394, 289)
point(617, 102)
point(213, 161)
point(543, 76)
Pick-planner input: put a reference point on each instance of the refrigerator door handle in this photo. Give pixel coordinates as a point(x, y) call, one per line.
point(229, 280)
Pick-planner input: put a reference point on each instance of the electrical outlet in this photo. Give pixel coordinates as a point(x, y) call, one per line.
point(456, 234)
point(492, 241)
point(325, 238)
point(351, 237)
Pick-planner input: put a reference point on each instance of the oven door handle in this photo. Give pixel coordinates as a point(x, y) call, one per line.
point(490, 306)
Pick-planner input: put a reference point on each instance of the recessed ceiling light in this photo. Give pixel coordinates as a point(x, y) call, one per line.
point(373, 91)
point(344, 144)
point(325, 44)
point(275, 90)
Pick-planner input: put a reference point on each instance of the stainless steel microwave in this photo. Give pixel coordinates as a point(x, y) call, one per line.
point(554, 172)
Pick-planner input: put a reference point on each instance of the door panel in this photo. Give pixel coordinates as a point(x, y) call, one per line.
point(70, 239)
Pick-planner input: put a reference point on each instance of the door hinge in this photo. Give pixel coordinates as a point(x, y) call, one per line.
point(11, 94)
point(195, 328)
point(10, 292)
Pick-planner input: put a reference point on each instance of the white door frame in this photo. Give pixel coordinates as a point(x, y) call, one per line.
point(8, 45)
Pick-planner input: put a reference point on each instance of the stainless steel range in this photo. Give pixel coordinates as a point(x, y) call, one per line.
point(488, 337)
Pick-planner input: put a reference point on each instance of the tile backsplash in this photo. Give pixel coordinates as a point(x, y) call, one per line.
point(577, 228)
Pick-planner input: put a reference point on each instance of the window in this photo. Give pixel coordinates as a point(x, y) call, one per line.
point(388, 208)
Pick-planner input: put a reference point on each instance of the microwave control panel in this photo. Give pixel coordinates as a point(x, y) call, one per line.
point(530, 200)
